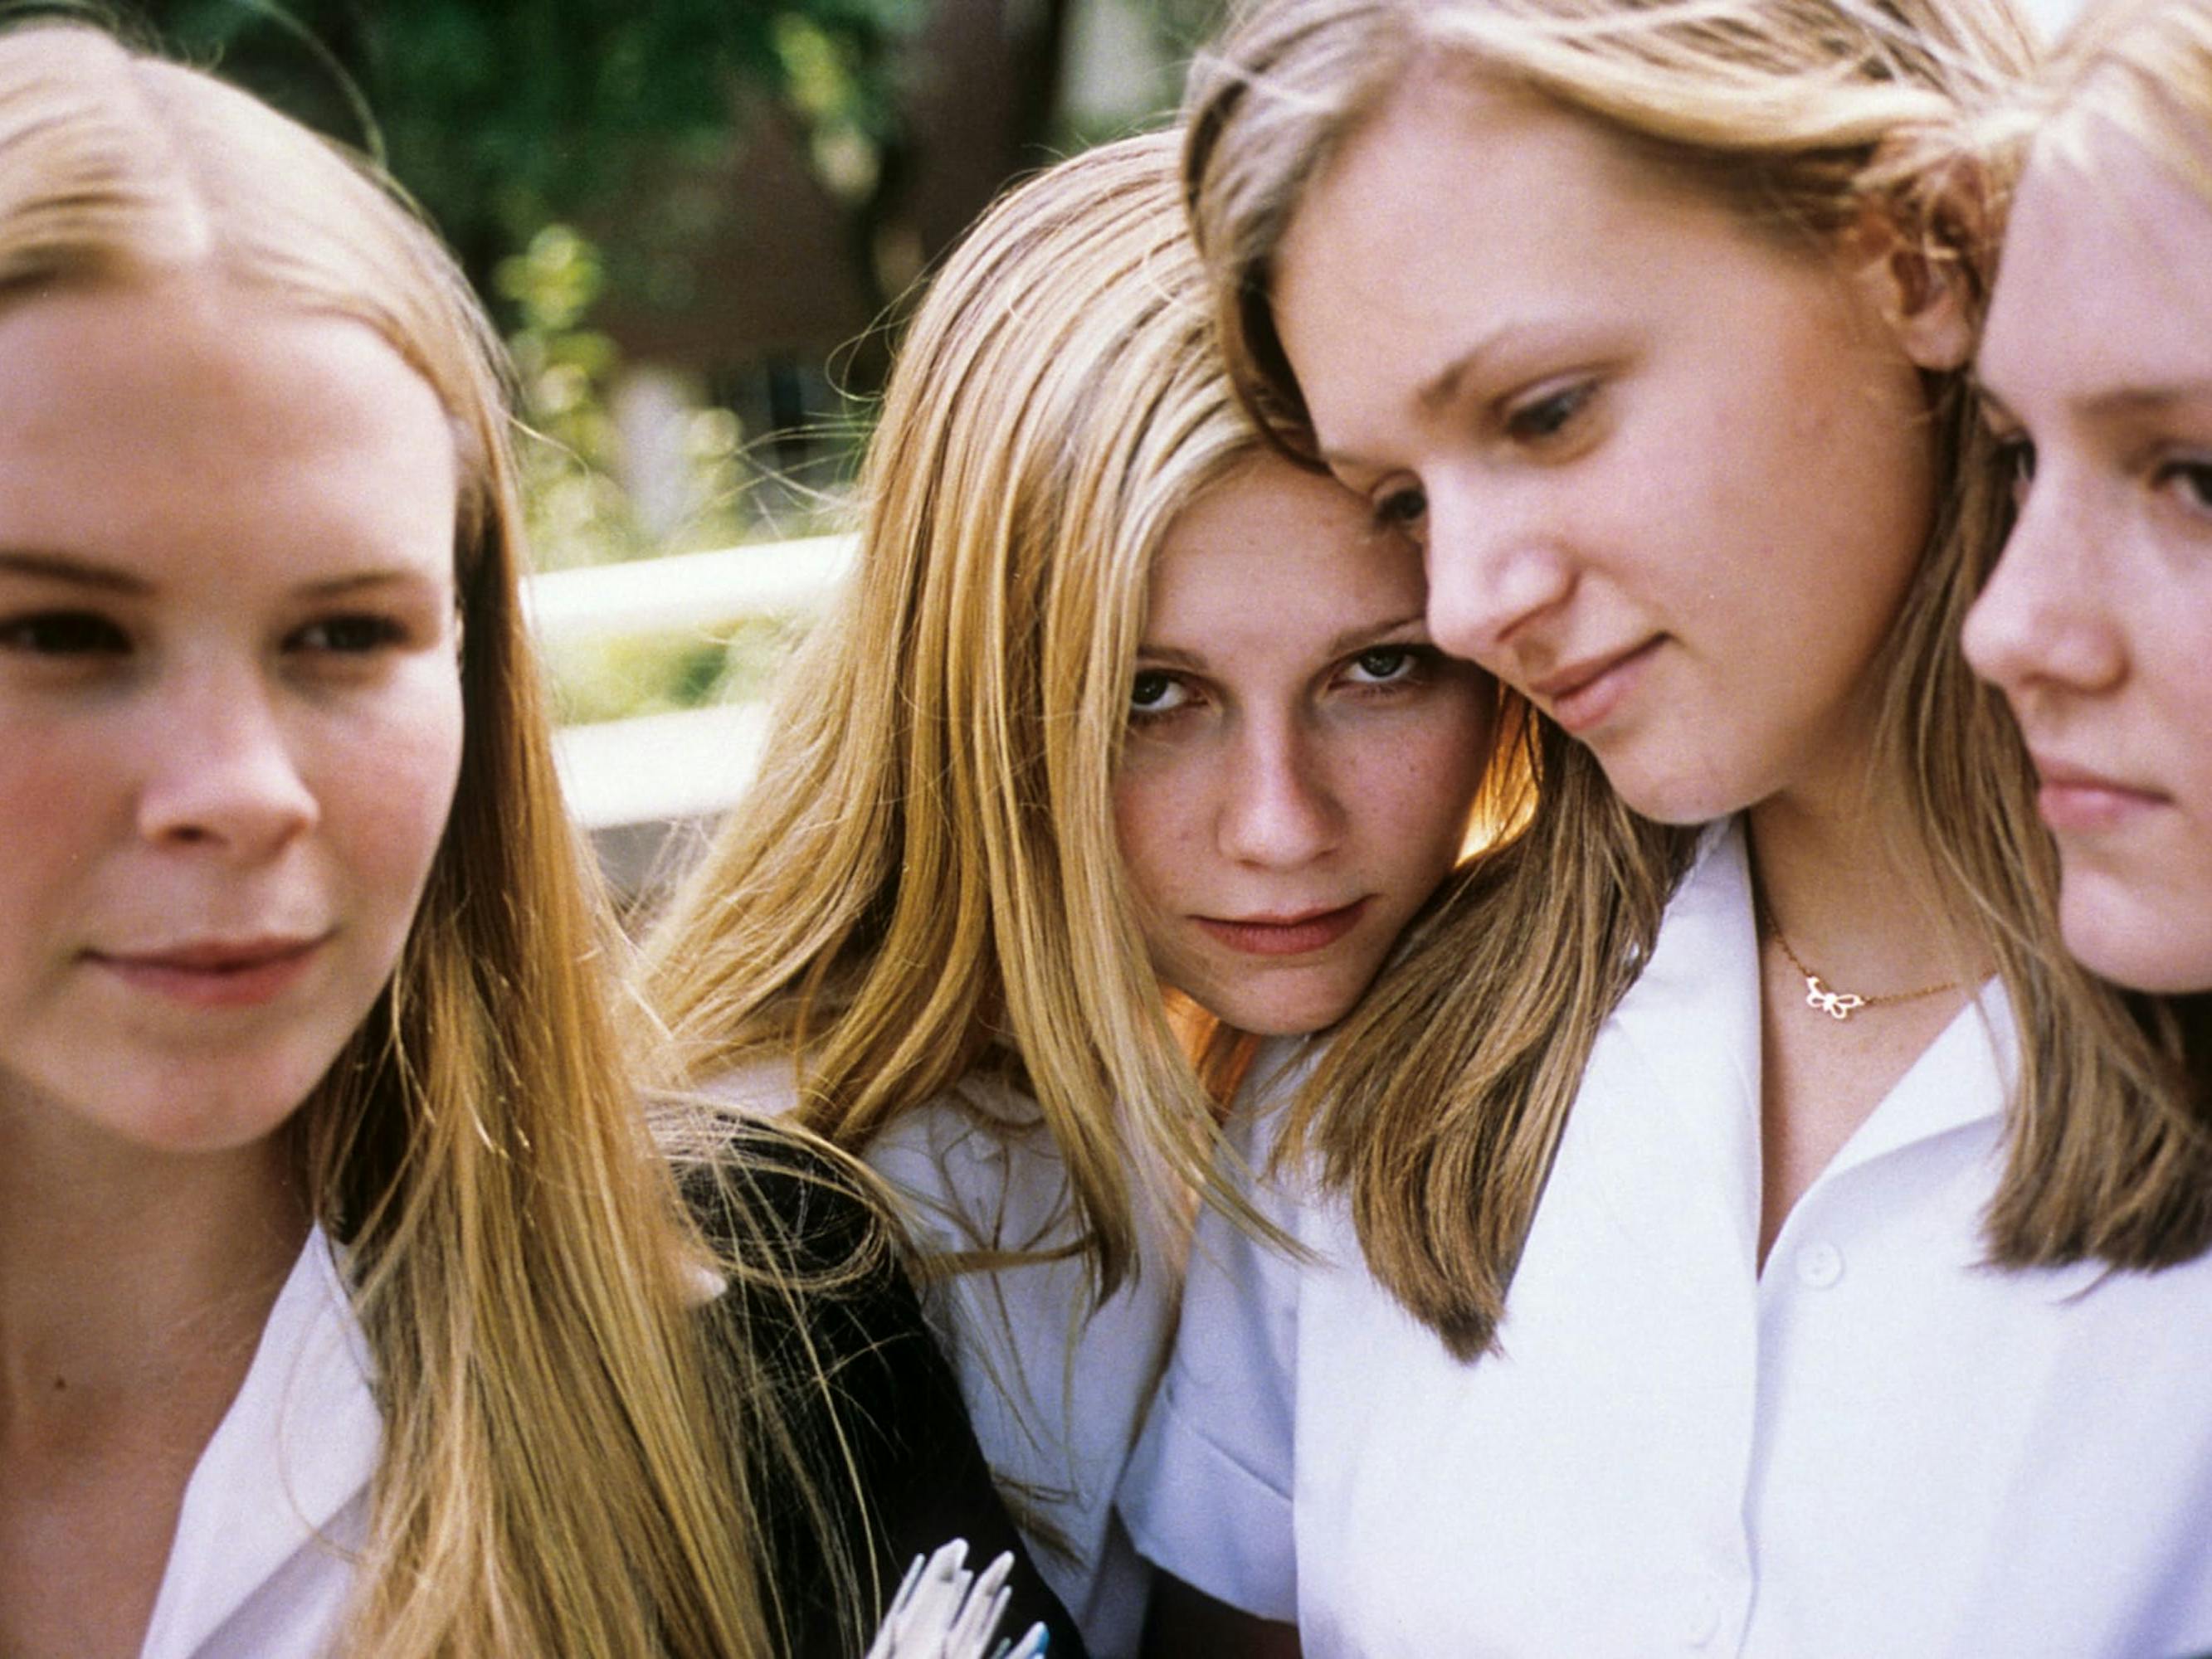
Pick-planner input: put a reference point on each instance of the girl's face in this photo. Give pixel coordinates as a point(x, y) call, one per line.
point(2098, 624)
point(1673, 480)
point(1300, 761)
point(230, 717)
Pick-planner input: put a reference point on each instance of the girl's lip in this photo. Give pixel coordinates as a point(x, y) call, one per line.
point(2073, 799)
point(1584, 696)
point(2076, 808)
point(1285, 936)
point(215, 973)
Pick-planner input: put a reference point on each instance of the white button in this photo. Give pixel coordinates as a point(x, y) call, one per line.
point(1705, 1620)
point(1819, 1265)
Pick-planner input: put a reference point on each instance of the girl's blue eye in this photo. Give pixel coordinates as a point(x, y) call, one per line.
point(1386, 664)
point(63, 634)
point(1154, 694)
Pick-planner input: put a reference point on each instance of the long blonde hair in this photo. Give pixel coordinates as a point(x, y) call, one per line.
point(558, 1473)
point(1440, 1107)
point(923, 882)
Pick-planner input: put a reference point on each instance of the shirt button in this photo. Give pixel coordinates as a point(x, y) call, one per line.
point(1705, 1620)
point(1819, 1265)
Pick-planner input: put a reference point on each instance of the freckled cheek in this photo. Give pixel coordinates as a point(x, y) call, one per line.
point(1422, 796)
point(1145, 863)
point(1159, 824)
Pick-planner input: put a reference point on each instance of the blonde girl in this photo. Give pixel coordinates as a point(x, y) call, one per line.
point(345, 1305)
point(1117, 700)
point(1725, 1224)
point(2097, 621)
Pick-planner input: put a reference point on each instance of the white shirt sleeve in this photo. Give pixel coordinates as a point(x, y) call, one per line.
point(1054, 1385)
point(1207, 1494)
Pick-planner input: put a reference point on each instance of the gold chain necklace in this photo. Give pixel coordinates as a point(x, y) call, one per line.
point(1838, 1005)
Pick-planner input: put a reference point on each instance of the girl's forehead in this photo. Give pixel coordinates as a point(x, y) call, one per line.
point(173, 425)
point(2102, 289)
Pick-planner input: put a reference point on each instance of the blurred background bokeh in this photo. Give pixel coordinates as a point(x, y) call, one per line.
point(697, 222)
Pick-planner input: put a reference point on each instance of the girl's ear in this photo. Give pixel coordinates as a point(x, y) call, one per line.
point(1919, 257)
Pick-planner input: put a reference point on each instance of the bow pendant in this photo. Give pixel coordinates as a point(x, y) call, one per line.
point(1837, 1005)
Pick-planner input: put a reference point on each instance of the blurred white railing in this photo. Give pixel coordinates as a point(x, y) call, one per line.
point(661, 768)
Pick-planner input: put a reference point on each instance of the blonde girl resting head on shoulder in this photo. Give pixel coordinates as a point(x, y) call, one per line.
point(345, 1305)
point(1724, 1218)
point(1118, 703)
point(2097, 366)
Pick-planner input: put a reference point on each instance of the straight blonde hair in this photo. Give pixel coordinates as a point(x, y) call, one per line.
point(563, 1469)
point(923, 884)
point(1440, 1107)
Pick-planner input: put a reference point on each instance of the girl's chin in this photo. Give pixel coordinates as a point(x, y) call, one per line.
point(2166, 952)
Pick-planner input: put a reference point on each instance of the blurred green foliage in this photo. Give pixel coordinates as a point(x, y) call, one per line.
point(651, 674)
point(570, 454)
point(505, 116)
point(570, 448)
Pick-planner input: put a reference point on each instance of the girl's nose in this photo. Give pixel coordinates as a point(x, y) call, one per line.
point(2043, 624)
point(222, 775)
point(1491, 571)
point(1280, 809)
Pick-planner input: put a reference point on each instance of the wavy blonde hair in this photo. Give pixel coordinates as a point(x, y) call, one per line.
point(563, 1470)
point(1440, 1107)
point(923, 884)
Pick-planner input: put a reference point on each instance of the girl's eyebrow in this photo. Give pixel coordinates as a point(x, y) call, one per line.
point(70, 568)
point(2147, 399)
point(1367, 632)
point(1437, 392)
point(1351, 639)
point(399, 576)
point(87, 573)
point(2116, 400)
point(1169, 656)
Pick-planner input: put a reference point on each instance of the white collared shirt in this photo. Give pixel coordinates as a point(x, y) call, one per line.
point(278, 1503)
point(1875, 1446)
point(1056, 1389)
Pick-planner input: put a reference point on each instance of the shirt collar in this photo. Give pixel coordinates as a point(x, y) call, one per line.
point(1692, 1020)
point(1964, 1077)
point(296, 1448)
